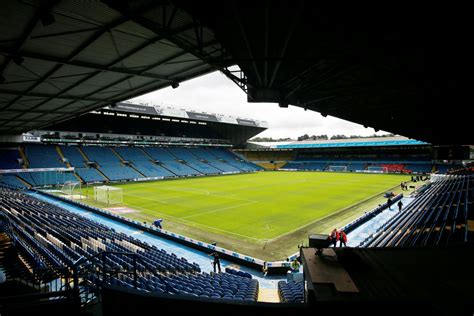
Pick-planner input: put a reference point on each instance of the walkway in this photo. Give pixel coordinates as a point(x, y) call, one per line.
point(355, 237)
point(268, 296)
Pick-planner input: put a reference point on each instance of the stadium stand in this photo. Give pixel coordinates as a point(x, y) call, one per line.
point(354, 165)
point(316, 166)
point(216, 285)
point(143, 163)
point(395, 166)
point(165, 158)
point(291, 292)
point(76, 159)
point(270, 165)
point(90, 175)
point(385, 71)
point(191, 160)
point(9, 158)
point(118, 163)
point(395, 154)
point(109, 163)
point(73, 156)
point(445, 168)
point(11, 181)
point(269, 159)
point(235, 161)
point(269, 155)
point(419, 167)
point(47, 178)
point(205, 155)
point(392, 167)
point(43, 156)
point(10, 263)
point(54, 238)
point(438, 216)
point(238, 272)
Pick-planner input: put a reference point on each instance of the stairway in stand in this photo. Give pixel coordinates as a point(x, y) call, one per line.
point(268, 295)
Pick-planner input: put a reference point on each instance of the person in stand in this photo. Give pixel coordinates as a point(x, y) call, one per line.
point(295, 266)
point(342, 238)
point(389, 203)
point(334, 237)
point(157, 223)
point(216, 261)
point(400, 205)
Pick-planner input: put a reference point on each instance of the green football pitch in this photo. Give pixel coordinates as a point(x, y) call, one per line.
point(265, 214)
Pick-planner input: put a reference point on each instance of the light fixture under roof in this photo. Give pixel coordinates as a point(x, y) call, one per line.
point(174, 84)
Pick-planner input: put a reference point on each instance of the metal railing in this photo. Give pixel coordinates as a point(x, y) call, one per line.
point(110, 267)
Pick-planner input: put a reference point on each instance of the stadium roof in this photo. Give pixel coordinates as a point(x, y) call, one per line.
point(126, 119)
point(383, 68)
point(59, 59)
point(156, 110)
point(355, 142)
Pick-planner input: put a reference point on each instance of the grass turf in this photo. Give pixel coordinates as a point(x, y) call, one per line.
point(263, 214)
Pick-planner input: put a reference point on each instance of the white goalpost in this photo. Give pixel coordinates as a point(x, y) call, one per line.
point(72, 189)
point(108, 195)
point(338, 168)
point(377, 169)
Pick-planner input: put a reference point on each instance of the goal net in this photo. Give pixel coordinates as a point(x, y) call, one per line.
point(108, 195)
point(377, 169)
point(337, 168)
point(72, 189)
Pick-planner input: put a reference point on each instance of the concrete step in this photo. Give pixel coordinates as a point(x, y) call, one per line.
point(268, 296)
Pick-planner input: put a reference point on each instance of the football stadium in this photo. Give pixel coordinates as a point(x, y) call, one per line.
point(110, 206)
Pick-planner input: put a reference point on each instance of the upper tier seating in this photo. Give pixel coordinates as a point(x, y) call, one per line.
point(73, 155)
point(9, 158)
point(43, 156)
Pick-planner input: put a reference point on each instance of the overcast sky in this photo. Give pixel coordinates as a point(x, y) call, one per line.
point(215, 93)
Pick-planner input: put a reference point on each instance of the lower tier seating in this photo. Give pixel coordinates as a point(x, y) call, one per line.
point(54, 238)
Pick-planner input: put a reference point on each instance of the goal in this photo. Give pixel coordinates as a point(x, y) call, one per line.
point(377, 169)
point(108, 195)
point(72, 189)
point(337, 168)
